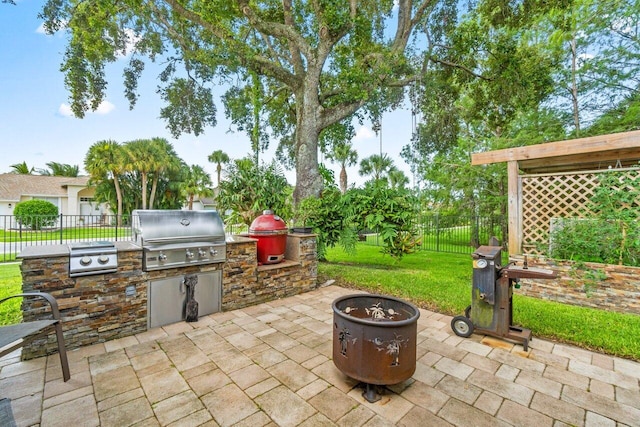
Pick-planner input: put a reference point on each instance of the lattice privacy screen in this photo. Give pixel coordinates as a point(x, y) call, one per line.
point(545, 197)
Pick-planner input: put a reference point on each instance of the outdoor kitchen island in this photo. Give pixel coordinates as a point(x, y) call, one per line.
point(101, 307)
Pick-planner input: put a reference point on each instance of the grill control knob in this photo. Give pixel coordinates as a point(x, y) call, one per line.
point(213, 251)
point(189, 254)
point(201, 253)
point(162, 257)
point(85, 260)
point(103, 259)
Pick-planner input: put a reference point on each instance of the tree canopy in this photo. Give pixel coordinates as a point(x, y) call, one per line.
point(310, 64)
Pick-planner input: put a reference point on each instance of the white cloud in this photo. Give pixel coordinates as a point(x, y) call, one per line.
point(104, 108)
point(364, 133)
point(65, 110)
point(40, 29)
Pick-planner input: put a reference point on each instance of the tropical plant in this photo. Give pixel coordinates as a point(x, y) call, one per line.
point(22, 169)
point(36, 214)
point(219, 157)
point(249, 189)
point(196, 182)
point(344, 155)
point(167, 162)
point(106, 162)
point(609, 233)
point(60, 169)
point(390, 212)
point(377, 166)
point(397, 178)
point(329, 217)
point(150, 158)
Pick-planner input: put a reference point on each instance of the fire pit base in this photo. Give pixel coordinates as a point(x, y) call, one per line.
point(374, 339)
point(372, 392)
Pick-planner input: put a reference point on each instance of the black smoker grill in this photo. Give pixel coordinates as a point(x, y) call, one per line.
point(491, 309)
point(176, 240)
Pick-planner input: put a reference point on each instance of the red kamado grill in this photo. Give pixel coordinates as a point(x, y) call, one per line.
point(271, 232)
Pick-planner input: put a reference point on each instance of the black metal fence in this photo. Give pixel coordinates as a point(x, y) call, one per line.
point(460, 234)
point(48, 230)
point(440, 233)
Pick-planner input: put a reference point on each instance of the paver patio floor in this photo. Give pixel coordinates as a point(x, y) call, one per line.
point(270, 365)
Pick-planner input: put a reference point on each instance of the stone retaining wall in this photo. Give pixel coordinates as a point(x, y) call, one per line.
point(604, 286)
point(99, 308)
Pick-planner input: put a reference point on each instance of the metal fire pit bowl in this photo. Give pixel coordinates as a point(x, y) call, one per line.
point(374, 339)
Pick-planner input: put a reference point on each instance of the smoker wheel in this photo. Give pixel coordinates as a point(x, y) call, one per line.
point(462, 326)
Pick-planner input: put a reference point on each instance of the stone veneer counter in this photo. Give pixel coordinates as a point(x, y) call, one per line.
point(102, 307)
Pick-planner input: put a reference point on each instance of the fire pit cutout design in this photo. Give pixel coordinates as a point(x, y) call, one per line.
point(374, 340)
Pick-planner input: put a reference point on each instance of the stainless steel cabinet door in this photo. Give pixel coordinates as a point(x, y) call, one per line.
point(166, 298)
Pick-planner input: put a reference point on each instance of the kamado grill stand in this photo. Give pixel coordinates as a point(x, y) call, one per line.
point(491, 309)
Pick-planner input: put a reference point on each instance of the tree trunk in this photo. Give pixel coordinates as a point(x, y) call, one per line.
point(154, 188)
point(308, 179)
point(116, 183)
point(144, 190)
point(343, 179)
point(574, 86)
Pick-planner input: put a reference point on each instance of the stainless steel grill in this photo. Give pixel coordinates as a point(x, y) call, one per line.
point(87, 258)
point(176, 238)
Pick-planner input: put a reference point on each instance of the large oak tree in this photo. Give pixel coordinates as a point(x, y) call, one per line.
point(320, 61)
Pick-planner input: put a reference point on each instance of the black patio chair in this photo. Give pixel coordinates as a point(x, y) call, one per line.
point(18, 335)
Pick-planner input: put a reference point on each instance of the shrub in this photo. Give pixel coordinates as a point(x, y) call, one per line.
point(36, 214)
point(611, 233)
point(328, 217)
point(391, 212)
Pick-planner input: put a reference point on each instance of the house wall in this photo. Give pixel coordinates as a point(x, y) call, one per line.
point(6, 207)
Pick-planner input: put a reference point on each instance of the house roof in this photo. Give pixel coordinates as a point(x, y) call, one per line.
point(592, 153)
point(14, 186)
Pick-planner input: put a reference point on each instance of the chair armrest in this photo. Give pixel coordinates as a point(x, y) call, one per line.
point(48, 297)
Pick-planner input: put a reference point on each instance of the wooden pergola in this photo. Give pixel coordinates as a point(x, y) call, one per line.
point(620, 150)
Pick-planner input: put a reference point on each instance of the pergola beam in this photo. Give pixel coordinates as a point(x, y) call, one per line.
point(573, 147)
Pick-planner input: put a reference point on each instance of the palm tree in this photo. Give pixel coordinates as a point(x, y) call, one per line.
point(145, 157)
point(196, 182)
point(60, 169)
point(167, 161)
point(219, 157)
point(397, 178)
point(22, 169)
point(345, 156)
point(377, 166)
point(106, 160)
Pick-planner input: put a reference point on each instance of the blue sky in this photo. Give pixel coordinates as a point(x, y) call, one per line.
point(36, 126)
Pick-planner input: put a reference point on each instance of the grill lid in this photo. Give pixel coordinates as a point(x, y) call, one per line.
point(268, 224)
point(155, 226)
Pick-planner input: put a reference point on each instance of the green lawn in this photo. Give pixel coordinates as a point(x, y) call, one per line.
point(10, 284)
point(442, 282)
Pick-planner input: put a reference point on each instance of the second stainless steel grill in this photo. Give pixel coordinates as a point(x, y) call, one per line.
point(177, 238)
